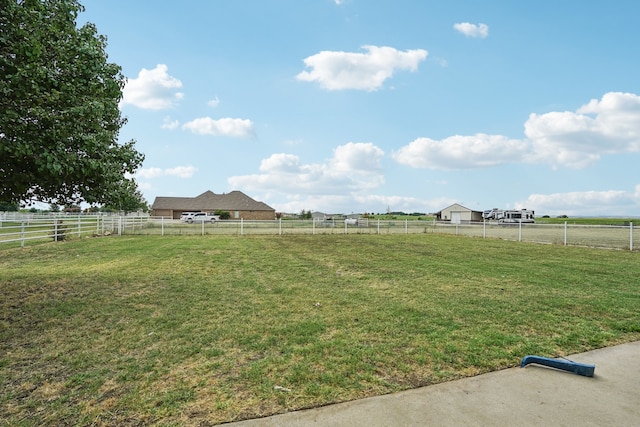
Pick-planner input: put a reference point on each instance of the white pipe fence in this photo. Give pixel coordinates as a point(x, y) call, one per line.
point(23, 229)
point(20, 230)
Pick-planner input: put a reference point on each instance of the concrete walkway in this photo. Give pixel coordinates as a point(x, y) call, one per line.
point(529, 396)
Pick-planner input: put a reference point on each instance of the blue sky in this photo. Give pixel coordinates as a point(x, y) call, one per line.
point(351, 106)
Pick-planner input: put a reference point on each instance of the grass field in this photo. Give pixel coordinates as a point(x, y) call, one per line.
point(589, 221)
point(189, 330)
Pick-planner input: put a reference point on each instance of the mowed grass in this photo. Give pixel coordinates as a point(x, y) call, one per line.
point(150, 330)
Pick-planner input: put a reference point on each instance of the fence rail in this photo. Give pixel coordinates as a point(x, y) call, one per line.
point(19, 230)
point(24, 229)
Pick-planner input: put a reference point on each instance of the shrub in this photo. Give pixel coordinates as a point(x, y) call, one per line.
point(222, 214)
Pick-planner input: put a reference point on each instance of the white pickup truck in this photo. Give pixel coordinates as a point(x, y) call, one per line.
point(191, 217)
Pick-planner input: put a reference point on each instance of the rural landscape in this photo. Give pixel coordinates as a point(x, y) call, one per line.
point(191, 330)
point(209, 307)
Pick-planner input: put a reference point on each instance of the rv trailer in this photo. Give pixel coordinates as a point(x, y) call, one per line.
point(510, 216)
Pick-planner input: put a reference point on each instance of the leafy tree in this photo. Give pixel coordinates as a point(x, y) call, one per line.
point(8, 207)
point(59, 115)
point(127, 198)
point(306, 214)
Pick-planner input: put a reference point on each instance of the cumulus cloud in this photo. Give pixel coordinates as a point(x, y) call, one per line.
point(610, 202)
point(472, 30)
point(178, 171)
point(353, 167)
point(357, 157)
point(240, 128)
point(152, 89)
point(610, 125)
point(349, 177)
point(362, 71)
point(281, 163)
point(167, 123)
point(462, 152)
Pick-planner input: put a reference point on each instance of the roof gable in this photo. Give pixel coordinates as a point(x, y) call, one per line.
point(233, 201)
point(456, 206)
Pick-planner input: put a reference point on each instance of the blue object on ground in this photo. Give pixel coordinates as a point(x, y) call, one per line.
point(565, 365)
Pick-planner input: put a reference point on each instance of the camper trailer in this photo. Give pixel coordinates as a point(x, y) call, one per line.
point(512, 216)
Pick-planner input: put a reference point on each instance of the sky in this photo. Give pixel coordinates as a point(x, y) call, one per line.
point(355, 106)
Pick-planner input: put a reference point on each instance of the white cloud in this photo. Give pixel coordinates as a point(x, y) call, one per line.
point(214, 102)
point(221, 127)
point(357, 158)
point(607, 126)
point(152, 89)
point(181, 171)
point(362, 71)
point(561, 139)
point(348, 178)
point(167, 123)
point(149, 172)
point(354, 167)
point(472, 30)
point(178, 171)
point(283, 163)
point(462, 152)
point(611, 202)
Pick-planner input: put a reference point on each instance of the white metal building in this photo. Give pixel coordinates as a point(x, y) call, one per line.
point(458, 214)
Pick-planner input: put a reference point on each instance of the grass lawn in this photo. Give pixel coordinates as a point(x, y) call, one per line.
point(150, 330)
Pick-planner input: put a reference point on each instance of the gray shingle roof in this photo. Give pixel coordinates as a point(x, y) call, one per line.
point(234, 201)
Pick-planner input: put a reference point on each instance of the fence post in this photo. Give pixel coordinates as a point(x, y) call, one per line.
point(280, 226)
point(79, 227)
point(631, 236)
point(313, 227)
point(565, 233)
point(162, 226)
point(378, 225)
point(520, 231)
point(22, 235)
point(406, 226)
point(484, 229)
point(242, 226)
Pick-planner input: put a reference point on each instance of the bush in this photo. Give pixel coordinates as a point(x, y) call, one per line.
point(222, 214)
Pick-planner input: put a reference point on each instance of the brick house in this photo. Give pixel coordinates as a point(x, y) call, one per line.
point(238, 204)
